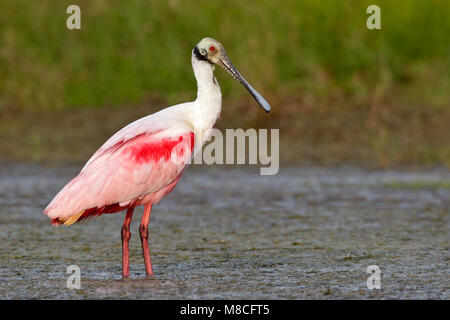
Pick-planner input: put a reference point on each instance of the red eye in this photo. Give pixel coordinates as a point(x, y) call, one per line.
point(212, 49)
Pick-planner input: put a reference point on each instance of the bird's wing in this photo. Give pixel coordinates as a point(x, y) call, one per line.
point(142, 158)
point(162, 120)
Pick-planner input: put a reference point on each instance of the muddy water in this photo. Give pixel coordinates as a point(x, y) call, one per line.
point(230, 233)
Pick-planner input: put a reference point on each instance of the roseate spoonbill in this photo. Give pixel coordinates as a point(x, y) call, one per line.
point(140, 164)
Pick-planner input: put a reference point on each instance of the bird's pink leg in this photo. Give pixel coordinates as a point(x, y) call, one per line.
point(143, 230)
point(126, 235)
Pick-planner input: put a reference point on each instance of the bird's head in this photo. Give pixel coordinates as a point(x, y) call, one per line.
point(213, 52)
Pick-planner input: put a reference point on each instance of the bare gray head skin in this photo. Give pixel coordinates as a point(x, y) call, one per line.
point(212, 51)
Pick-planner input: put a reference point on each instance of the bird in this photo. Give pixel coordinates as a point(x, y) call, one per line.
point(143, 162)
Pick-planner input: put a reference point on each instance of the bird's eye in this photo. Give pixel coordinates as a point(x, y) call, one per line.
point(203, 52)
point(212, 48)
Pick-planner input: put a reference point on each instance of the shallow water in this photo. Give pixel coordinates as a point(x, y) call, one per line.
point(231, 233)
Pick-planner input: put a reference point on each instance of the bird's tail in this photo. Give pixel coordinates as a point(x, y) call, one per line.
point(68, 221)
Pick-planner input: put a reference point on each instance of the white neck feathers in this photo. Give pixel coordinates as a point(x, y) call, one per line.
point(207, 106)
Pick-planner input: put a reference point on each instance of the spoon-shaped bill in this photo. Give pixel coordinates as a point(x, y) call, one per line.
point(226, 64)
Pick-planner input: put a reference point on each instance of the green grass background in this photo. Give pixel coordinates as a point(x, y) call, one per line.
point(380, 95)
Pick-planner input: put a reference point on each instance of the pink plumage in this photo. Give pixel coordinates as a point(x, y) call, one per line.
point(143, 162)
point(125, 172)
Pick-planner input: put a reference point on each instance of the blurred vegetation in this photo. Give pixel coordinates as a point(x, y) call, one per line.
point(341, 92)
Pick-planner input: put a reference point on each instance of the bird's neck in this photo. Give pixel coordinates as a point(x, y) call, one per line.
point(209, 98)
point(208, 88)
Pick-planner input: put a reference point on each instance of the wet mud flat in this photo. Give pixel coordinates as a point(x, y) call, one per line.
point(229, 233)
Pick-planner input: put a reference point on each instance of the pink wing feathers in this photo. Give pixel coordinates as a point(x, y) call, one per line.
point(132, 165)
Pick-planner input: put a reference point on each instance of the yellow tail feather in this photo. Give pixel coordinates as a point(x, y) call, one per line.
point(73, 219)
